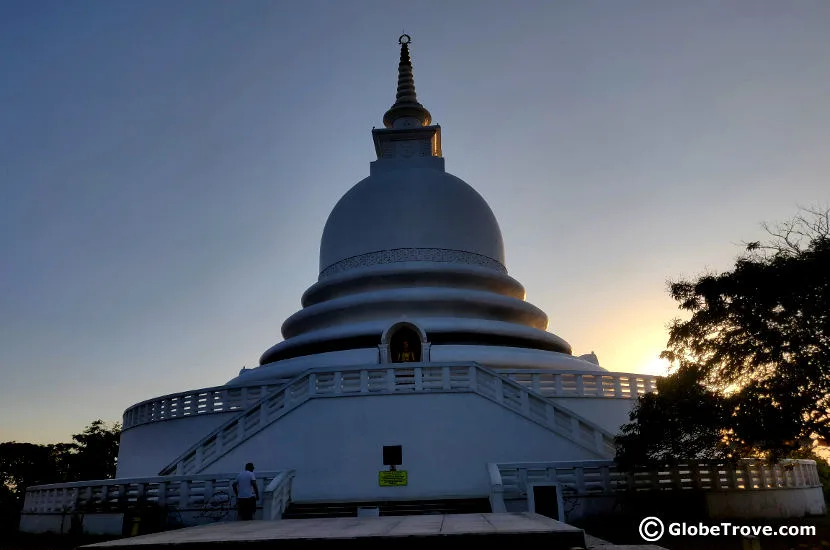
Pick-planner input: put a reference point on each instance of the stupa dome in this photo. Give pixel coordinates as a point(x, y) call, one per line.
point(420, 213)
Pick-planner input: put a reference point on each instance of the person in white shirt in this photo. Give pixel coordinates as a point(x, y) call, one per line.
point(247, 493)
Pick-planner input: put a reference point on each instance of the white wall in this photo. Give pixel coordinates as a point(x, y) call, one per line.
point(770, 503)
point(92, 524)
point(147, 448)
point(608, 413)
point(335, 445)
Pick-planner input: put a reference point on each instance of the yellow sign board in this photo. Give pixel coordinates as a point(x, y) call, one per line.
point(396, 478)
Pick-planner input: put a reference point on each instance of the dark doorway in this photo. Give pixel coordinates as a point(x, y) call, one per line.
point(405, 346)
point(546, 500)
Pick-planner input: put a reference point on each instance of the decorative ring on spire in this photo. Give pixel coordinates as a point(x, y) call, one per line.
point(404, 39)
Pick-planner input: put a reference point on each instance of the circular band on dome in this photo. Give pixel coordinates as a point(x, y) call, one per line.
point(412, 255)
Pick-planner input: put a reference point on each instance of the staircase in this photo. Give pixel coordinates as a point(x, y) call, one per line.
point(400, 379)
point(306, 510)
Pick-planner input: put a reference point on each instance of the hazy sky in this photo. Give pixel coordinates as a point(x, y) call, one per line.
point(166, 168)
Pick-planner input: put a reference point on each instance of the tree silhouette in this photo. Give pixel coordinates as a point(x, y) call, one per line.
point(91, 455)
point(758, 339)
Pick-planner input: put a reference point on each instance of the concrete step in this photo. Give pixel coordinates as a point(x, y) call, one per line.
point(300, 510)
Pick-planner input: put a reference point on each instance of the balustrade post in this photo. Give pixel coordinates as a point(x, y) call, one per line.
point(605, 475)
point(521, 480)
point(161, 494)
point(419, 379)
point(121, 496)
point(579, 475)
point(390, 380)
point(618, 392)
point(762, 476)
point(90, 495)
point(694, 473)
point(76, 497)
point(473, 373)
point(364, 381)
point(198, 457)
point(557, 384)
point(535, 382)
point(575, 426)
point(731, 476)
point(445, 378)
point(580, 386)
point(207, 494)
point(599, 441)
point(550, 414)
point(312, 384)
point(654, 480)
point(716, 482)
point(524, 399)
point(677, 481)
point(499, 390)
point(338, 383)
point(746, 471)
point(184, 494)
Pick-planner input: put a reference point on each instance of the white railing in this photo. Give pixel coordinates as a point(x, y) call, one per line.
point(210, 494)
point(277, 496)
point(547, 383)
point(496, 489)
point(201, 401)
point(602, 477)
point(392, 380)
point(583, 384)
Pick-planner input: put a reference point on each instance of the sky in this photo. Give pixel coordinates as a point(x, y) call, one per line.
point(166, 168)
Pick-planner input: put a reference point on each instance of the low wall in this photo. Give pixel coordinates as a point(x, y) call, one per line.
point(89, 524)
point(747, 489)
point(781, 503)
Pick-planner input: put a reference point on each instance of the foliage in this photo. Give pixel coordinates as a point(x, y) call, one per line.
point(94, 452)
point(91, 455)
point(683, 420)
point(754, 355)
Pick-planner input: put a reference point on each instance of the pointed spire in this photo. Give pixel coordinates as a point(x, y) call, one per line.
point(406, 103)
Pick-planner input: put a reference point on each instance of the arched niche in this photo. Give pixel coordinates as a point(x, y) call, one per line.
point(403, 340)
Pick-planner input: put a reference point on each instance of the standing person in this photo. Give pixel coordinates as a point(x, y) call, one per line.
point(247, 493)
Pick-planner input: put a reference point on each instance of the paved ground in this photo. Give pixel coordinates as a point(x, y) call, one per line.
point(430, 527)
point(621, 534)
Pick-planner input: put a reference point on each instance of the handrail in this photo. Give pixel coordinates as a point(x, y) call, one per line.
point(497, 504)
point(277, 496)
point(216, 399)
point(580, 383)
point(603, 477)
point(185, 492)
point(549, 383)
point(412, 378)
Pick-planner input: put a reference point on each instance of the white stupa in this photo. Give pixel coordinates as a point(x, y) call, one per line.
point(414, 336)
point(415, 379)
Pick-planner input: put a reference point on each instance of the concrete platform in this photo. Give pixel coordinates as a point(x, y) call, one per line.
point(373, 532)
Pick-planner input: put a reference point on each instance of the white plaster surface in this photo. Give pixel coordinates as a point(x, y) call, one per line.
point(608, 413)
point(335, 446)
point(147, 448)
point(411, 207)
